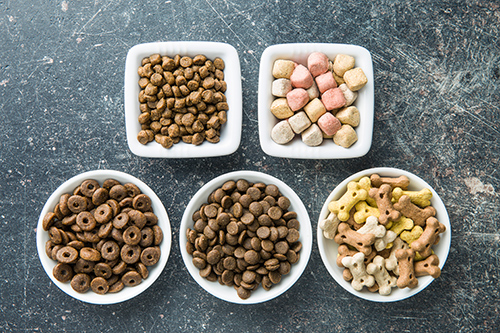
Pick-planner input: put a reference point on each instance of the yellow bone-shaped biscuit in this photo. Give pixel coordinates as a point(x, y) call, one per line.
point(420, 198)
point(363, 210)
point(342, 206)
point(401, 225)
point(411, 236)
point(366, 184)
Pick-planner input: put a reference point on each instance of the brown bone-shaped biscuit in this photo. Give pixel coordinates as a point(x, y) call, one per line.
point(401, 181)
point(382, 196)
point(345, 251)
point(428, 238)
point(428, 266)
point(412, 211)
point(407, 276)
point(351, 222)
point(363, 243)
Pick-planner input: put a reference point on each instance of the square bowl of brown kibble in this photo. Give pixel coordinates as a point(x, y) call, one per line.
point(183, 99)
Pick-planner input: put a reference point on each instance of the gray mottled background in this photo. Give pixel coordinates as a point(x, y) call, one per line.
point(437, 73)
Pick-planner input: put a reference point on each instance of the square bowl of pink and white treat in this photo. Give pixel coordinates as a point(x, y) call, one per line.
point(384, 234)
point(316, 101)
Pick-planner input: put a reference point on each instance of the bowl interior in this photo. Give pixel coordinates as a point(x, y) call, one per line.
point(328, 149)
point(128, 292)
point(231, 131)
point(329, 249)
point(229, 293)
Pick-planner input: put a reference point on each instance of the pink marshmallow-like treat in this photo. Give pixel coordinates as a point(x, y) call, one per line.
point(325, 81)
point(333, 99)
point(297, 98)
point(301, 77)
point(317, 63)
point(329, 124)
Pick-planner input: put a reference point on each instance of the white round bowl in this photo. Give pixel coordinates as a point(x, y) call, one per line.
point(328, 249)
point(260, 295)
point(127, 293)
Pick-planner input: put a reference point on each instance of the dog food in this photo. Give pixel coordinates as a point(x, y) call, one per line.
point(181, 99)
point(103, 237)
point(244, 236)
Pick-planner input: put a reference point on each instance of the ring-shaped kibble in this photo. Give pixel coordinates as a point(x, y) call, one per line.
point(90, 254)
point(49, 246)
point(103, 270)
point(48, 220)
point(69, 220)
point(147, 237)
point(137, 218)
point(99, 285)
point(116, 234)
point(142, 270)
point(130, 254)
point(115, 207)
point(131, 279)
point(62, 272)
point(91, 236)
point(55, 235)
point(132, 235)
point(126, 203)
point(100, 196)
point(120, 220)
point(76, 244)
point(119, 268)
point(142, 203)
point(63, 204)
point(151, 218)
point(157, 234)
point(77, 204)
point(118, 192)
point(67, 255)
point(105, 230)
point(132, 190)
point(54, 251)
point(86, 221)
point(103, 213)
point(113, 279)
point(84, 266)
point(109, 183)
point(80, 282)
point(116, 287)
point(150, 256)
point(110, 250)
point(88, 187)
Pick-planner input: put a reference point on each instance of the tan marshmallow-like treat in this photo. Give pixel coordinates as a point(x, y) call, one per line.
point(349, 95)
point(329, 226)
point(338, 79)
point(349, 116)
point(283, 69)
point(315, 109)
point(282, 132)
point(299, 122)
point(384, 280)
point(360, 277)
point(342, 63)
point(421, 198)
point(363, 211)
point(355, 79)
point(391, 263)
point(346, 136)
point(280, 108)
point(313, 91)
point(281, 87)
point(312, 136)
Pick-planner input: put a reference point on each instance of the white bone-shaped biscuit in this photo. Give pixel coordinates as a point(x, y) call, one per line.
point(391, 263)
point(329, 226)
point(384, 280)
point(357, 267)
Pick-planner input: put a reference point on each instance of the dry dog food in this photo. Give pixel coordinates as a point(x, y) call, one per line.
point(325, 90)
point(103, 237)
point(181, 98)
point(244, 236)
point(385, 233)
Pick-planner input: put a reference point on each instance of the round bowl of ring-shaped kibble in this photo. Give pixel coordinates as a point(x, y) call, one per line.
point(384, 234)
point(245, 237)
point(183, 99)
point(103, 237)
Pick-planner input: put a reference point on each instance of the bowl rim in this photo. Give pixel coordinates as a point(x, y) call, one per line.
point(327, 150)
point(128, 292)
point(397, 294)
point(231, 133)
point(227, 293)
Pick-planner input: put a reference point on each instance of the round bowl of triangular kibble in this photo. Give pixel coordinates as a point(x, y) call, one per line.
point(384, 234)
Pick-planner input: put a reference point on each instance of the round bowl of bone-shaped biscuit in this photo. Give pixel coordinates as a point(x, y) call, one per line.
point(368, 272)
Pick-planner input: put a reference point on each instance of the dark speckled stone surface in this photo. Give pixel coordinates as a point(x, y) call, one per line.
point(437, 109)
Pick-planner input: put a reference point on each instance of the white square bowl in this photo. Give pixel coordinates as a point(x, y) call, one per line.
point(230, 132)
point(328, 149)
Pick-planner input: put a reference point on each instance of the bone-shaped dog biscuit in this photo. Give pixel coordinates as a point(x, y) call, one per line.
point(401, 225)
point(428, 266)
point(412, 211)
point(366, 184)
point(362, 243)
point(344, 251)
point(360, 277)
point(373, 227)
point(329, 226)
point(401, 181)
point(385, 241)
point(382, 196)
point(363, 210)
point(420, 198)
point(407, 276)
point(391, 263)
point(384, 280)
point(342, 206)
point(428, 237)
